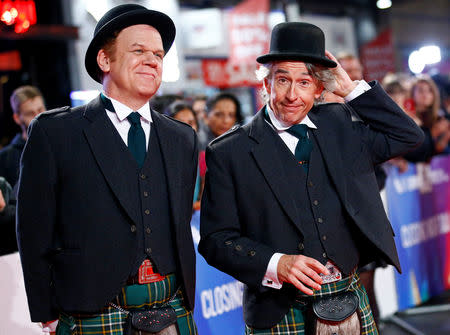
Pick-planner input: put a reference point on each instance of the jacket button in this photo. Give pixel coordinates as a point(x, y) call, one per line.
point(252, 253)
point(148, 250)
point(228, 243)
point(143, 176)
point(133, 228)
point(310, 184)
point(324, 237)
point(320, 220)
point(238, 248)
point(324, 255)
point(147, 211)
point(315, 202)
point(301, 246)
point(148, 230)
point(145, 194)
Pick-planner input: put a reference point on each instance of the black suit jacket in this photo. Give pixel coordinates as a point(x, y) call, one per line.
point(78, 199)
point(249, 213)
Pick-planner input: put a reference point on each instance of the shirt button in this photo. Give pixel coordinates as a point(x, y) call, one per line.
point(147, 211)
point(315, 202)
point(301, 246)
point(324, 237)
point(145, 194)
point(320, 220)
point(148, 230)
point(143, 176)
point(133, 228)
point(148, 250)
point(324, 255)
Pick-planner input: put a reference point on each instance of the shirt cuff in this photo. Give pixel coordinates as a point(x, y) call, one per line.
point(362, 87)
point(271, 277)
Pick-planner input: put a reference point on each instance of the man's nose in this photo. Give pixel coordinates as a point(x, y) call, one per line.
point(291, 94)
point(150, 59)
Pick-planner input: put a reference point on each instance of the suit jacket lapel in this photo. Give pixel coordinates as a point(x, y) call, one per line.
point(325, 135)
point(113, 157)
point(173, 161)
point(265, 153)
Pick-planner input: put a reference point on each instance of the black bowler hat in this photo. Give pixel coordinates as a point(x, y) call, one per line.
point(121, 17)
point(297, 41)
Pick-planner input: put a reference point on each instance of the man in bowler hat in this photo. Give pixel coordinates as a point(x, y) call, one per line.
point(110, 227)
point(305, 212)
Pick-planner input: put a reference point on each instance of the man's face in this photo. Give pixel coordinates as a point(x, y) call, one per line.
point(28, 110)
point(135, 69)
point(222, 117)
point(292, 91)
point(353, 68)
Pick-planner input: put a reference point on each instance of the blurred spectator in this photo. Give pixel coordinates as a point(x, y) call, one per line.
point(223, 112)
point(425, 95)
point(8, 243)
point(182, 111)
point(351, 65)
point(26, 103)
point(199, 107)
point(161, 102)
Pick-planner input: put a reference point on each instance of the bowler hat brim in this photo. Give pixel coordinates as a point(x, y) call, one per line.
point(160, 21)
point(302, 57)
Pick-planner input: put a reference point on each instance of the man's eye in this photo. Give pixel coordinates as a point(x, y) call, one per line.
point(282, 80)
point(305, 83)
point(159, 55)
point(138, 51)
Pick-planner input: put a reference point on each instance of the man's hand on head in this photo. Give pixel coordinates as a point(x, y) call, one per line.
point(344, 85)
point(301, 271)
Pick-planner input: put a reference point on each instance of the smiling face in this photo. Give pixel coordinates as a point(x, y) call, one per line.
point(133, 72)
point(292, 91)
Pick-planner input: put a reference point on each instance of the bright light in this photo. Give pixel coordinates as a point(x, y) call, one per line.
point(97, 8)
point(415, 62)
point(171, 70)
point(13, 12)
point(7, 18)
point(431, 54)
point(383, 4)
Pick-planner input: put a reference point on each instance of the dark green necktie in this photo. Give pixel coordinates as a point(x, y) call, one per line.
point(136, 135)
point(304, 145)
point(136, 138)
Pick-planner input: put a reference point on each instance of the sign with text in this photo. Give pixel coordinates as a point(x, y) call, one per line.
point(218, 297)
point(249, 31)
point(419, 210)
point(223, 74)
point(377, 57)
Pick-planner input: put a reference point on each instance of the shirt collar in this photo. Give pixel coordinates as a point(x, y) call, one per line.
point(122, 111)
point(281, 127)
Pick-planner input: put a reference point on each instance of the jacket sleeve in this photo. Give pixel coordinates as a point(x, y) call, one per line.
point(223, 243)
point(387, 130)
point(36, 213)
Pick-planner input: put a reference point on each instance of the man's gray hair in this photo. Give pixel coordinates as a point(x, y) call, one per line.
point(322, 74)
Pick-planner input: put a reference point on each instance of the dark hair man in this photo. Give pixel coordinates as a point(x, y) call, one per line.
point(26, 103)
point(291, 205)
point(111, 222)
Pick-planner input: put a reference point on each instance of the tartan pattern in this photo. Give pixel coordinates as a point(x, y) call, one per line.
point(293, 322)
point(133, 297)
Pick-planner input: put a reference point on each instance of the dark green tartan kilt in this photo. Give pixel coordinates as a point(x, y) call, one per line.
point(293, 322)
point(133, 297)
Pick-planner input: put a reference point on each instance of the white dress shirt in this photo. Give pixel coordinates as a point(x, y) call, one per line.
point(271, 277)
point(121, 123)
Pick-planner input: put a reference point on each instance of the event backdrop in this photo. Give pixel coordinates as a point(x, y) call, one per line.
point(218, 297)
point(419, 210)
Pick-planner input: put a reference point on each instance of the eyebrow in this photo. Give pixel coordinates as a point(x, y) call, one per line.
point(135, 44)
point(287, 72)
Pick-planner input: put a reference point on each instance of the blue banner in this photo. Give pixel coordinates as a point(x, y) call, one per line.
point(419, 210)
point(218, 297)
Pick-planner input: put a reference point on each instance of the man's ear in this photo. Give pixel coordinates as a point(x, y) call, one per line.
point(319, 90)
point(103, 61)
point(16, 119)
point(267, 85)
